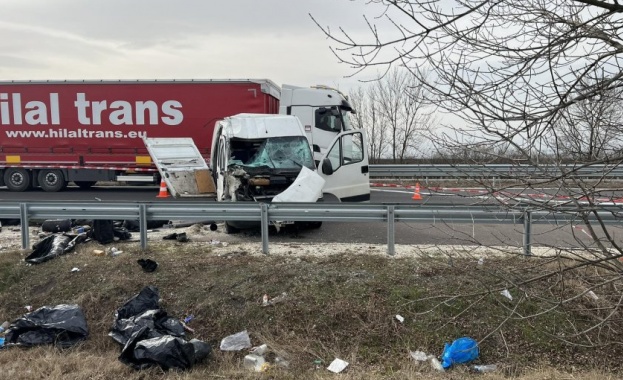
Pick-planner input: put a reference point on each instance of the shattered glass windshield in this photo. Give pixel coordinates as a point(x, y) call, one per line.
point(291, 152)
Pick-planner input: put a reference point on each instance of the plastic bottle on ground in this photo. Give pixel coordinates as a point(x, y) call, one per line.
point(485, 368)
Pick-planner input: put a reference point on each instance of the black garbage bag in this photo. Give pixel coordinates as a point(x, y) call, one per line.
point(148, 265)
point(103, 231)
point(147, 299)
point(150, 337)
point(143, 311)
point(56, 225)
point(61, 325)
point(53, 246)
point(157, 323)
point(134, 226)
point(121, 233)
point(168, 352)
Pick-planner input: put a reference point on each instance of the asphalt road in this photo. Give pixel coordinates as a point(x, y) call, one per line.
point(433, 233)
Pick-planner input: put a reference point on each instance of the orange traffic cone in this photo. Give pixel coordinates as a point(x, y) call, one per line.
point(164, 193)
point(416, 194)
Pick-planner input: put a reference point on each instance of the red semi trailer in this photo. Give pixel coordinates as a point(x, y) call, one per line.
point(56, 132)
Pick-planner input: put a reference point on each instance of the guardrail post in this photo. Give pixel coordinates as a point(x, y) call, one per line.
point(391, 237)
point(527, 233)
point(264, 219)
point(23, 216)
point(142, 223)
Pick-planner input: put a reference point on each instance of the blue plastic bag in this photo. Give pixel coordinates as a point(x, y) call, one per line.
point(462, 350)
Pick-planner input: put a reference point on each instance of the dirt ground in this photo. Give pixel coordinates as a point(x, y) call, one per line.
point(334, 301)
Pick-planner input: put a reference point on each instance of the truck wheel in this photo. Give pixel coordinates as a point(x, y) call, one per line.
point(17, 179)
point(85, 184)
point(51, 180)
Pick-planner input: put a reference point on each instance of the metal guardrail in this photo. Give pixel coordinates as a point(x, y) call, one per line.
point(502, 171)
point(327, 212)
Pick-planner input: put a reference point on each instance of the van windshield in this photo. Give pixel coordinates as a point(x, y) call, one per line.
point(289, 152)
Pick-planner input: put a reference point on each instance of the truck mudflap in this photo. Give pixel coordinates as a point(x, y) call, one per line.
point(181, 166)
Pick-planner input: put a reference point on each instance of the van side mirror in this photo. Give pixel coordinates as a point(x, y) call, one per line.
point(327, 168)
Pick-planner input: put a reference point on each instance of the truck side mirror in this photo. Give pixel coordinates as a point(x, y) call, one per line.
point(327, 168)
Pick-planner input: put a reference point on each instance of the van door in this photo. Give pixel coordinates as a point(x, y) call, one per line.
point(181, 166)
point(345, 168)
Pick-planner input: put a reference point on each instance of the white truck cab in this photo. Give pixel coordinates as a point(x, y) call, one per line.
point(340, 152)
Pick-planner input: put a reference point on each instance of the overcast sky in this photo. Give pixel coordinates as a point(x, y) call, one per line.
point(184, 39)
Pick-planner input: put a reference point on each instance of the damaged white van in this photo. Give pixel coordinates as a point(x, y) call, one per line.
point(267, 158)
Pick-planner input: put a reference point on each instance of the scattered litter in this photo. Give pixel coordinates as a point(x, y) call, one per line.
point(148, 265)
point(318, 363)
point(266, 301)
point(213, 227)
point(434, 362)
point(485, 368)
point(189, 318)
point(236, 342)
point(219, 243)
point(1, 342)
point(61, 325)
point(506, 294)
point(115, 252)
point(255, 363)
point(259, 350)
point(419, 356)
point(186, 328)
point(4, 326)
point(28, 308)
point(481, 261)
point(337, 365)
point(75, 269)
point(462, 350)
point(592, 295)
point(400, 318)
point(98, 252)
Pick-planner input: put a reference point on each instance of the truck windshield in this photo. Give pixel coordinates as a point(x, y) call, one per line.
point(333, 119)
point(289, 152)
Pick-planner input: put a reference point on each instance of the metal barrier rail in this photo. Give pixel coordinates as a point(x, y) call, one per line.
point(326, 212)
point(505, 171)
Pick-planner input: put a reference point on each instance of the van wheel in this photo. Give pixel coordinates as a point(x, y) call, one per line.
point(314, 225)
point(17, 179)
point(85, 184)
point(51, 180)
point(229, 229)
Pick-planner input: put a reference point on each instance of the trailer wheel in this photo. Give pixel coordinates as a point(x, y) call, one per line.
point(85, 184)
point(17, 179)
point(51, 180)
